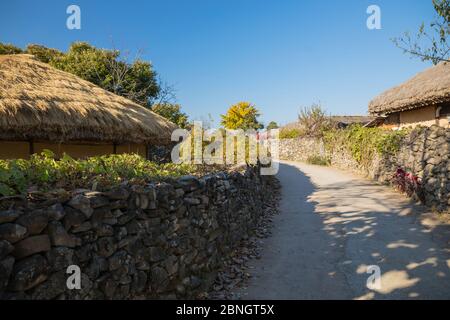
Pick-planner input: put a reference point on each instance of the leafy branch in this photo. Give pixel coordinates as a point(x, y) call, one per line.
point(430, 44)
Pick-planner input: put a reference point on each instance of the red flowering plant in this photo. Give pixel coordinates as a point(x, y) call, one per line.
point(408, 183)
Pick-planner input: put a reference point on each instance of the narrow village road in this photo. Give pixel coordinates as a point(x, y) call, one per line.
point(333, 225)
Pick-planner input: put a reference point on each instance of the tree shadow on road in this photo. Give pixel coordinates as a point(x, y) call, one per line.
point(328, 235)
point(379, 227)
point(299, 260)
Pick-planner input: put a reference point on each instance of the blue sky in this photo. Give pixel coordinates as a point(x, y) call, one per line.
point(278, 54)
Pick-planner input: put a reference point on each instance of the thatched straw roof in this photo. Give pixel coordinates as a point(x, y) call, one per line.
point(429, 87)
point(39, 102)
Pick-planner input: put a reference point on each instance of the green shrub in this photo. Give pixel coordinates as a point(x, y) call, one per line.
point(6, 48)
point(45, 172)
point(318, 160)
point(363, 143)
point(289, 133)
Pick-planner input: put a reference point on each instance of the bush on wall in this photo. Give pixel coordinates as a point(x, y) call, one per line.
point(43, 171)
point(363, 143)
point(286, 133)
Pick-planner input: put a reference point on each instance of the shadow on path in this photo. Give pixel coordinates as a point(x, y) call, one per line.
point(332, 226)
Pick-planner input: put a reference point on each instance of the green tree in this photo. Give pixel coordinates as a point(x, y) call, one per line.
point(272, 125)
point(42, 53)
point(108, 69)
point(430, 44)
point(135, 81)
point(171, 112)
point(88, 63)
point(6, 48)
point(242, 115)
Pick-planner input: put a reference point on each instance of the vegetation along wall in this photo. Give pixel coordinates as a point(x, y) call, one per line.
point(80, 150)
point(377, 154)
point(161, 240)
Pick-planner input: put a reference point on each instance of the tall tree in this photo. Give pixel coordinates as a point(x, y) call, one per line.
point(272, 125)
point(135, 81)
point(242, 115)
point(172, 112)
point(432, 43)
point(109, 69)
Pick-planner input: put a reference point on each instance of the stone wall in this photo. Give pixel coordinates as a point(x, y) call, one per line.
point(163, 240)
point(299, 149)
point(424, 152)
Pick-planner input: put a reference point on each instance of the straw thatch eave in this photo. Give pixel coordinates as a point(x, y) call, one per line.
point(430, 87)
point(39, 102)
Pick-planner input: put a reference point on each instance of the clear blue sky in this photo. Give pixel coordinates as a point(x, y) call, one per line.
point(280, 55)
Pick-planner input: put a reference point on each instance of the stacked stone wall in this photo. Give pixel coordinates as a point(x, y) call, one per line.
point(162, 240)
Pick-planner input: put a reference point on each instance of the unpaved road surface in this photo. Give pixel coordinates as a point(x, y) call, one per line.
point(332, 226)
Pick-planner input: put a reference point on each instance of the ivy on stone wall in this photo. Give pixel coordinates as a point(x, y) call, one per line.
point(422, 154)
point(363, 143)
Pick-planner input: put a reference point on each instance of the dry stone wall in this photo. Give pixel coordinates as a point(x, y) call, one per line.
point(424, 152)
point(163, 240)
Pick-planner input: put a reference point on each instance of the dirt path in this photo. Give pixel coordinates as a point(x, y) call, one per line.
point(332, 226)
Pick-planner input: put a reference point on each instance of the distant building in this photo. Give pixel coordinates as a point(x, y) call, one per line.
point(338, 121)
point(45, 108)
point(345, 121)
point(423, 100)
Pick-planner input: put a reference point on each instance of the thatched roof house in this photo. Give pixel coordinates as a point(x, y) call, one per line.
point(45, 108)
point(422, 100)
point(340, 121)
